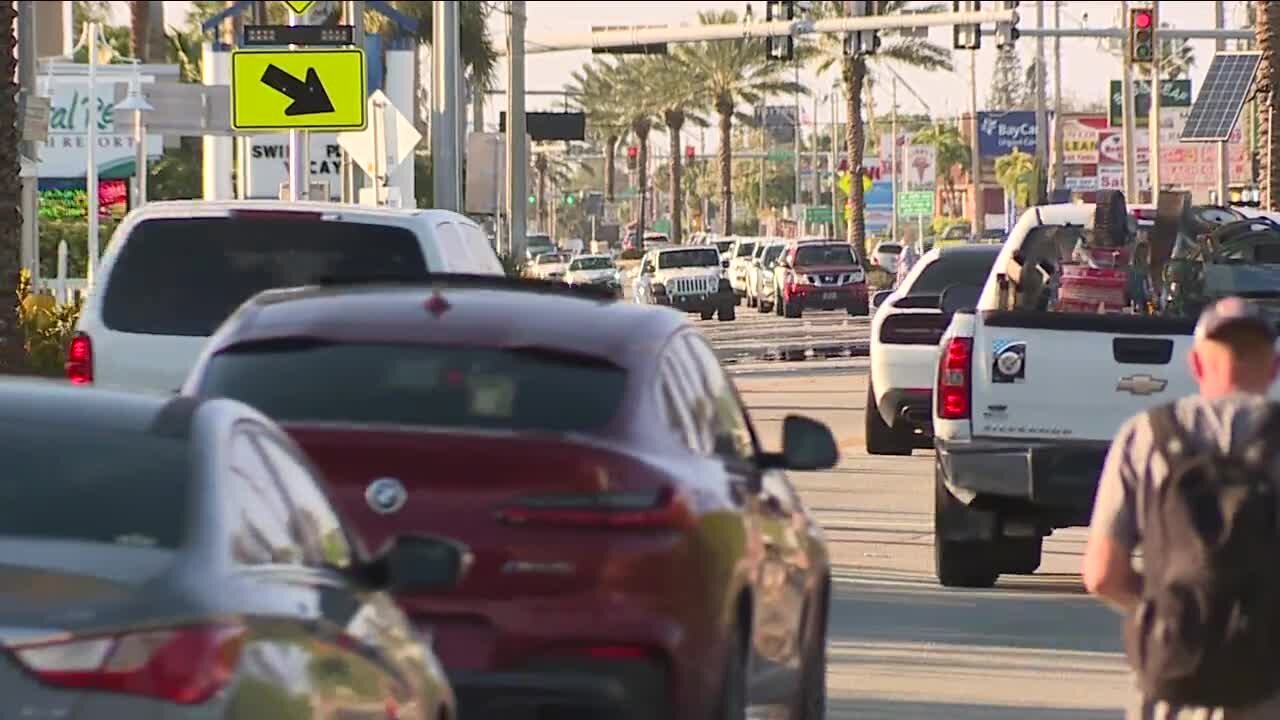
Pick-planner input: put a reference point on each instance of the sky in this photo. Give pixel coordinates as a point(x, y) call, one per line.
point(1085, 70)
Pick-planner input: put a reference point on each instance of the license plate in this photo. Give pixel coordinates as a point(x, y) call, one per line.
point(829, 296)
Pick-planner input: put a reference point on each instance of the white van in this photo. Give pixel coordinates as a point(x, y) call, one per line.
point(175, 270)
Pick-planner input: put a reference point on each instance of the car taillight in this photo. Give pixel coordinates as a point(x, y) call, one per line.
point(79, 365)
point(953, 379)
point(626, 510)
point(183, 665)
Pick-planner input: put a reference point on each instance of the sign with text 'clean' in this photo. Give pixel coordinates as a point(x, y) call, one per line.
point(298, 90)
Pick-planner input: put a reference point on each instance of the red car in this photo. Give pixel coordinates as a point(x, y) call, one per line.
point(634, 547)
point(821, 275)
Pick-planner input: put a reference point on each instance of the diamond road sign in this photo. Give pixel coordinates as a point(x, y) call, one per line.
point(298, 90)
point(300, 7)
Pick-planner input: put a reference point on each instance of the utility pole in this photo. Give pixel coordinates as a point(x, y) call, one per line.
point(350, 171)
point(1042, 120)
point(1059, 172)
point(27, 81)
point(796, 159)
point(1127, 110)
point(813, 155)
point(297, 153)
point(446, 173)
point(517, 151)
point(1224, 149)
point(1153, 123)
point(975, 149)
point(894, 165)
point(835, 160)
point(764, 160)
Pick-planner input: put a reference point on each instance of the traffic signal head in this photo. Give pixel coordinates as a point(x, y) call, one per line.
point(1142, 25)
point(570, 199)
point(780, 48)
point(633, 155)
point(690, 152)
point(1008, 33)
point(966, 37)
point(533, 199)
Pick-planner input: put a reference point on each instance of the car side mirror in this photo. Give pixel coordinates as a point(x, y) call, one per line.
point(806, 445)
point(421, 563)
point(958, 297)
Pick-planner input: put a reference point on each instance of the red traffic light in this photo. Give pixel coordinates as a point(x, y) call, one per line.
point(633, 152)
point(690, 152)
point(1142, 19)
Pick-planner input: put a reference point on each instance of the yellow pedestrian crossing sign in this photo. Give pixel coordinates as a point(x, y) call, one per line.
point(300, 7)
point(298, 90)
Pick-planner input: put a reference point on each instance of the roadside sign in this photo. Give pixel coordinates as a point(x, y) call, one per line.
point(298, 89)
point(820, 215)
point(921, 167)
point(780, 155)
point(185, 109)
point(915, 203)
point(388, 131)
point(299, 7)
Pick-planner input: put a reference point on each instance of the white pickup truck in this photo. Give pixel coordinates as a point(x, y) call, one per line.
point(1027, 399)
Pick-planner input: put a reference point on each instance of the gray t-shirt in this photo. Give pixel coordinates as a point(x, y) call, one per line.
point(1133, 464)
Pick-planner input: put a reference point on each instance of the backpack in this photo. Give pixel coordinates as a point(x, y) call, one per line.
point(1207, 631)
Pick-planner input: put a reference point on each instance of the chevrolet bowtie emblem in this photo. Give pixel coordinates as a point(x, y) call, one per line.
point(1141, 385)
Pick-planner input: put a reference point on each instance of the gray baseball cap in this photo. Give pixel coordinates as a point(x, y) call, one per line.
point(1233, 312)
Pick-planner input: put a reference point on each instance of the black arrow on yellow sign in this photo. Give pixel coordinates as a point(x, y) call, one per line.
point(309, 96)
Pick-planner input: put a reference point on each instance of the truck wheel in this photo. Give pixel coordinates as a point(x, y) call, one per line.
point(963, 563)
point(880, 437)
point(707, 314)
point(728, 312)
point(763, 307)
point(751, 300)
point(1021, 556)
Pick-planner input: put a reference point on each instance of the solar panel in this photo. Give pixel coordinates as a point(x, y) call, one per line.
point(1214, 113)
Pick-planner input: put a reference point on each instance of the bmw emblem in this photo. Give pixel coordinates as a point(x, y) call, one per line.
point(386, 495)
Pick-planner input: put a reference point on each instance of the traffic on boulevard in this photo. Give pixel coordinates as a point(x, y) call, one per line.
point(794, 360)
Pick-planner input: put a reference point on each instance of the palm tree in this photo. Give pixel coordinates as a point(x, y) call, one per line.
point(552, 170)
point(913, 52)
point(13, 351)
point(1018, 173)
point(146, 31)
point(952, 150)
point(639, 112)
point(599, 95)
point(679, 101)
point(1267, 31)
point(732, 74)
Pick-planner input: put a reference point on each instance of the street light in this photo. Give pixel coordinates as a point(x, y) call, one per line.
point(100, 52)
point(137, 102)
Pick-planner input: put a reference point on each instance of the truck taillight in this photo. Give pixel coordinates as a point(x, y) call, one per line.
point(954, 375)
point(79, 365)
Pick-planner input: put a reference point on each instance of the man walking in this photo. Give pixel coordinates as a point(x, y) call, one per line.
point(1196, 484)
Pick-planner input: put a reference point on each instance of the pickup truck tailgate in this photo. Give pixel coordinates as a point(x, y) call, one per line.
point(1053, 384)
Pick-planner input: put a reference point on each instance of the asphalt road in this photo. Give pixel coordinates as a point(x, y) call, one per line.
point(1034, 648)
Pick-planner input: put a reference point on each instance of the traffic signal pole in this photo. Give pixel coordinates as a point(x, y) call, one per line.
point(1127, 110)
point(603, 39)
point(1153, 122)
point(1224, 150)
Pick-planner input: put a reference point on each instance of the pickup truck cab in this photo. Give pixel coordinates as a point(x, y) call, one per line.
point(1028, 396)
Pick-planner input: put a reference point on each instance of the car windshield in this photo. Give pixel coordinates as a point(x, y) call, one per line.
point(705, 257)
point(724, 245)
point(772, 253)
point(538, 241)
point(967, 268)
point(745, 249)
point(890, 248)
point(184, 276)
point(591, 263)
point(552, 259)
point(420, 386)
point(833, 254)
point(116, 488)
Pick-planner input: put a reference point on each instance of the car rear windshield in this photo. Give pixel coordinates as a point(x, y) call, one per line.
point(745, 249)
point(970, 268)
point(111, 487)
point(771, 255)
point(419, 385)
point(688, 258)
point(724, 245)
point(889, 248)
point(185, 276)
point(552, 259)
point(834, 254)
point(539, 241)
point(591, 263)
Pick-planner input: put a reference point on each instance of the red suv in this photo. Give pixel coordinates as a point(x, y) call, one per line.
point(635, 551)
point(820, 275)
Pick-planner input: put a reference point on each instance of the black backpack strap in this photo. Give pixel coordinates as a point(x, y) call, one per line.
point(1264, 441)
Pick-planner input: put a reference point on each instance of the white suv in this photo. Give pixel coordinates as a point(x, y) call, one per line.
point(687, 278)
point(905, 333)
point(760, 289)
point(739, 258)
